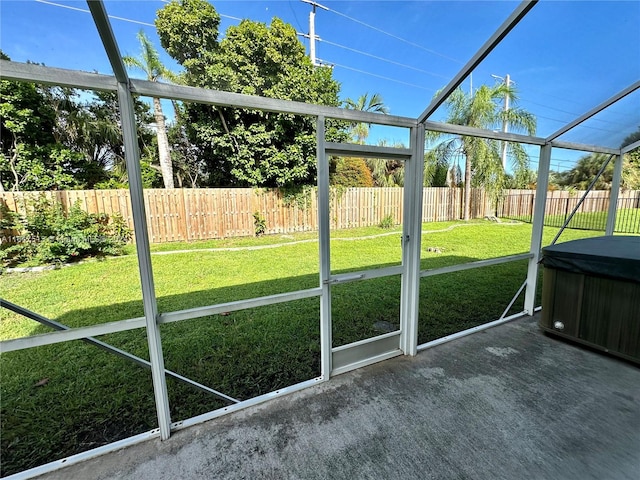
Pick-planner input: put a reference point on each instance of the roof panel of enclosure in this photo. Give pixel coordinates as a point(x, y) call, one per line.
point(559, 56)
point(611, 126)
point(555, 60)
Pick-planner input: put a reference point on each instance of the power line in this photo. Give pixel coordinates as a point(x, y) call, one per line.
point(382, 59)
point(380, 76)
point(87, 11)
point(575, 115)
point(294, 14)
point(408, 42)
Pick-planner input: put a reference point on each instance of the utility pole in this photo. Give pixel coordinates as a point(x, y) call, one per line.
point(312, 30)
point(505, 124)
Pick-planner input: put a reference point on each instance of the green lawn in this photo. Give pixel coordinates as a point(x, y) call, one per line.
point(66, 398)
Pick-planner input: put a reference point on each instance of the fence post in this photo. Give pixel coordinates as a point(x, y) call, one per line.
point(537, 227)
point(613, 197)
point(533, 198)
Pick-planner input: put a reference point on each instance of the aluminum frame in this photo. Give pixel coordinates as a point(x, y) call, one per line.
point(126, 87)
point(613, 196)
point(132, 160)
point(412, 241)
point(539, 207)
point(379, 347)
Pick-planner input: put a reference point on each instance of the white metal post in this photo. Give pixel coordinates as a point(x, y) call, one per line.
point(325, 265)
point(411, 242)
point(538, 225)
point(312, 36)
point(132, 158)
point(613, 197)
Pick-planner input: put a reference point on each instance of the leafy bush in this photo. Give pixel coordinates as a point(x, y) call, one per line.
point(49, 234)
point(387, 222)
point(259, 223)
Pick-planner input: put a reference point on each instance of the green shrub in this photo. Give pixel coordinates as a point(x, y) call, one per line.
point(49, 234)
point(387, 222)
point(259, 224)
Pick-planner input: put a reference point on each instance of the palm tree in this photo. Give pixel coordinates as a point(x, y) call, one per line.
point(375, 104)
point(483, 165)
point(585, 170)
point(149, 62)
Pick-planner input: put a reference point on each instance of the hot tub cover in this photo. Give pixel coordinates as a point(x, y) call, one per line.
point(608, 256)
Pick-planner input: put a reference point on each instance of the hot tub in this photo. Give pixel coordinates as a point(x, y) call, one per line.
point(591, 293)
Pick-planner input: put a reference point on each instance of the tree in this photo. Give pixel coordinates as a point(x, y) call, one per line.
point(247, 147)
point(32, 157)
point(436, 170)
point(188, 31)
point(585, 171)
point(588, 166)
point(149, 62)
point(631, 165)
point(350, 172)
point(188, 161)
point(483, 166)
point(385, 173)
point(375, 104)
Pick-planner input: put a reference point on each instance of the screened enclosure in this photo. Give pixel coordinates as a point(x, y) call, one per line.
point(321, 322)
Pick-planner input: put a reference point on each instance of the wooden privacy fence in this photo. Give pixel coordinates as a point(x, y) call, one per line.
point(519, 203)
point(200, 214)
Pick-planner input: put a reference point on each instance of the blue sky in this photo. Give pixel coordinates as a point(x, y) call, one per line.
point(565, 57)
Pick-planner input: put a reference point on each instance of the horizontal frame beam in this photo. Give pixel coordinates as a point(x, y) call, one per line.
point(109, 348)
point(365, 275)
point(479, 132)
point(71, 334)
point(245, 404)
point(83, 456)
point(365, 352)
point(469, 331)
point(200, 312)
point(630, 147)
point(29, 72)
point(367, 151)
point(584, 148)
point(238, 100)
point(92, 81)
point(472, 265)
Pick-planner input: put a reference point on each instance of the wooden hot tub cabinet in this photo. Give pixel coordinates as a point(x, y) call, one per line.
point(591, 293)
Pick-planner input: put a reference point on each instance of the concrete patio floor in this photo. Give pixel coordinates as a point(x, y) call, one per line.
point(506, 403)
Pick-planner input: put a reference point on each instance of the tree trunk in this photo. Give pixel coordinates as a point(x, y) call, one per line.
point(164, 153)
point(467, 188)
point(12, 163)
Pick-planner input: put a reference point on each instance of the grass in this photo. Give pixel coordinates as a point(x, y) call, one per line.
point(66, 398)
